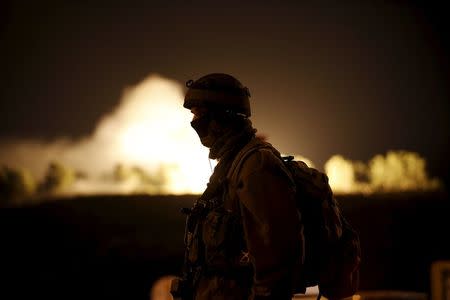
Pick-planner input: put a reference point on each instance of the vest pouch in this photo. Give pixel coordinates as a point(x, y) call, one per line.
point(223, 237)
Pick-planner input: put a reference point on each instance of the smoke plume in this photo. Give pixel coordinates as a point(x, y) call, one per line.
point(146, 145)
point(147, 138)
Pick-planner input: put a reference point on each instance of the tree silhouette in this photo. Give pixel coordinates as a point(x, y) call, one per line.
point(57, 178)
point(15, 185)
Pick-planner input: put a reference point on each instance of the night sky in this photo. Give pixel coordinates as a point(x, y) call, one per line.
point(355, 78)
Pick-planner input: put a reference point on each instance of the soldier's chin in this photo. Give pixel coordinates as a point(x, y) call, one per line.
point(207, 141)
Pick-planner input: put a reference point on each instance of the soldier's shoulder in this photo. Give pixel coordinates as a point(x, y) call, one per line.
point(263, 157)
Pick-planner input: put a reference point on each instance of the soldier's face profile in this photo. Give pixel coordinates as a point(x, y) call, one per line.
point(198, 112)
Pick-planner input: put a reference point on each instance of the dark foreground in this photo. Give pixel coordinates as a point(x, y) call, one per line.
point(115, 247)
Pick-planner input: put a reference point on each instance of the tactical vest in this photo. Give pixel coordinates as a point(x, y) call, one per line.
point(214, 235)
point(214, 239)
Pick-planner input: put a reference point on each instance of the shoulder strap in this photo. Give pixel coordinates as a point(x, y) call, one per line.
point(252, 146)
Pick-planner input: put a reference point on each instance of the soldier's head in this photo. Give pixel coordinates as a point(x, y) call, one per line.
point(219, 102)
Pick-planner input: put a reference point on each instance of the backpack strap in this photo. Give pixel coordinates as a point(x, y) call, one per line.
point(251, 147)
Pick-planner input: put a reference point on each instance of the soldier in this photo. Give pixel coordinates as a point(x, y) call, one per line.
point(243, 235)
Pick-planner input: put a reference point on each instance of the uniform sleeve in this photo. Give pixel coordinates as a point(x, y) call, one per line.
point(271, 222)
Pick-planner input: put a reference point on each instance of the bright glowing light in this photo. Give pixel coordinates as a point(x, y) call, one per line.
point(151, 129)
point(340, 174)
point(146, 145)
point(148, 132)
point(400, 171)
point(397, 171)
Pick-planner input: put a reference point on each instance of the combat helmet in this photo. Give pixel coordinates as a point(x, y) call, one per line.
point(218, 91)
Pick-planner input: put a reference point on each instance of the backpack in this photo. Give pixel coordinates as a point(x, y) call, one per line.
point(332, 247)
point(332, 252)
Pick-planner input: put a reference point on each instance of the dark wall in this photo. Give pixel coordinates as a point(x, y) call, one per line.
point(116, 246)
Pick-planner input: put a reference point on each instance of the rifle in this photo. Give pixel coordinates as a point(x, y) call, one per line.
point(183, 287)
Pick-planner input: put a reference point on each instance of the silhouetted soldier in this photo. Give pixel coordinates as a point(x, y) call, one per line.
point(243, 235)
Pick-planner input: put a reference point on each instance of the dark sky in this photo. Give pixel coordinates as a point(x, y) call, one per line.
point(349, 77)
